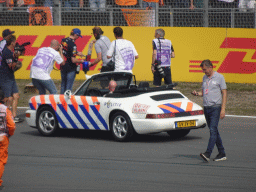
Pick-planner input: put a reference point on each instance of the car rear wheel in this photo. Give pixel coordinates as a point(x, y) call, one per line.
point(178, 133)
point(46, 122)
point(121, 126)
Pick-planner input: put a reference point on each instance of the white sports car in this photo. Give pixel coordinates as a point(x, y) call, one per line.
point(128, 110)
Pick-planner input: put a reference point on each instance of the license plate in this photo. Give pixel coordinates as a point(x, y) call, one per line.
point(185, 124)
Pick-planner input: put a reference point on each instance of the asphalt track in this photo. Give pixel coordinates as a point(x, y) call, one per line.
point(91, 161)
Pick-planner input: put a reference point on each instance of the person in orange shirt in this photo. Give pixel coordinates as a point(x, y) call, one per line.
point(7, 128)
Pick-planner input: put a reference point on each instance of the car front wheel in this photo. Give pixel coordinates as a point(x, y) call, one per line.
point(46, 122)
point(121, 126)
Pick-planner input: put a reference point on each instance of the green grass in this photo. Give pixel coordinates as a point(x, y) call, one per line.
point(241, 97)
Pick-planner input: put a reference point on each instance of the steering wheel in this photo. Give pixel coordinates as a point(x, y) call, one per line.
point(93, 92)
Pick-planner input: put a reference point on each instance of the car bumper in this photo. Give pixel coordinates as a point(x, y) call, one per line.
point(144, 126)
point(31, 118)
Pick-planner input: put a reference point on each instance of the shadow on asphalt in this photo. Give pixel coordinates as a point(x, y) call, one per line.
point(106, 136)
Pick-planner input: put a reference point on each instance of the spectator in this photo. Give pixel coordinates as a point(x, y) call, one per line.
point(97, 5)
point(214, 93)
point(42, 66)
point(68, 71)
point(25, 3)
point(102, 45)
point(6, 34)
point(126, 2)
point(125, 52)
point(223, 4)
point(7, 79)
point(184, 4)
point(7, 129)
point(69, 4)
point(246, 4)
point(149, 4)
point(162, 51)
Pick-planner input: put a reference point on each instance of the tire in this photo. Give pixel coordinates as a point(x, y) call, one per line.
point(121, 126)
point(46, 121)
point(175, 134)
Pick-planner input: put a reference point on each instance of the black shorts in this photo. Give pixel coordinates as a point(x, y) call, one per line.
point(167, 78)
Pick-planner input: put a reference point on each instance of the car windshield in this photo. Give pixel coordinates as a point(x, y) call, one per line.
point(99, 83)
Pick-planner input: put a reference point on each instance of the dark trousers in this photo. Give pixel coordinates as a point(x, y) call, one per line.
point(212, 116)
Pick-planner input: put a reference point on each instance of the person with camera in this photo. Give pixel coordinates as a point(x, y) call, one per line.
point(9, 65)
point(6, 34)
point(42, 65)
point(123, 51)
point(68, 70)
point(102, 44)
point(161, 59)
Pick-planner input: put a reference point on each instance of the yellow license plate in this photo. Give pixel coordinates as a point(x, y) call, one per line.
point(185, 124)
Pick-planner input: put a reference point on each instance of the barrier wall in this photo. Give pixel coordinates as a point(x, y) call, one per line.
point(232, 51)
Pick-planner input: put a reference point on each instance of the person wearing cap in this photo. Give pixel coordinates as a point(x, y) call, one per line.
point(68, 70)
point(42, 65)
point(7, 78)
point(7, 129)
point(102, 44)
point(6, 34)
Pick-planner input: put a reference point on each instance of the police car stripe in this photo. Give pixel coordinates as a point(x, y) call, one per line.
point(33, 101)
point(175, 107)
point(53, 102)
point(62, 124)
point(67, 116)
point(168, 108)
point(96, 112)
point(31, 106)
point(189, 106)
point(89, 117)
point(78, 117)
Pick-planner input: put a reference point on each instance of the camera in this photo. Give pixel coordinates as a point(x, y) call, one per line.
point(21, 48)
point(158, 68)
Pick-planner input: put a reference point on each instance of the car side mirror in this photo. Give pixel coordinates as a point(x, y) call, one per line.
point(68, 94)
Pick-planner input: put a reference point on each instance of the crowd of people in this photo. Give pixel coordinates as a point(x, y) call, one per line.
point(101, 5)
point(124, 54)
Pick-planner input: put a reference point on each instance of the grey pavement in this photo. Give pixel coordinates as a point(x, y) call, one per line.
point(77, 160)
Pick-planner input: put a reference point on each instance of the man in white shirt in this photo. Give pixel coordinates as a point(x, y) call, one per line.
point(124, 50)
point(42, 66)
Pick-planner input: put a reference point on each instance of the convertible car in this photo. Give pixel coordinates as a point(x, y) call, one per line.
point(130, 109)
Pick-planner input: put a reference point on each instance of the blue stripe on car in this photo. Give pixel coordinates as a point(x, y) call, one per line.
point(174, 107)
point(78, 117)
point(96, 112)
point(67, 116)
point(89, 117)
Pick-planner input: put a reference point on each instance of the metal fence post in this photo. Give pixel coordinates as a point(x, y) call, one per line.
point(171, 16)
point(206, 13)
point(111, 17)
point(232, 18)
point(157, 14)
point(56, 12)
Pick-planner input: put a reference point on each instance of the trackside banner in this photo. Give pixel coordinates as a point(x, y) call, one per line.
point(232, 51)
